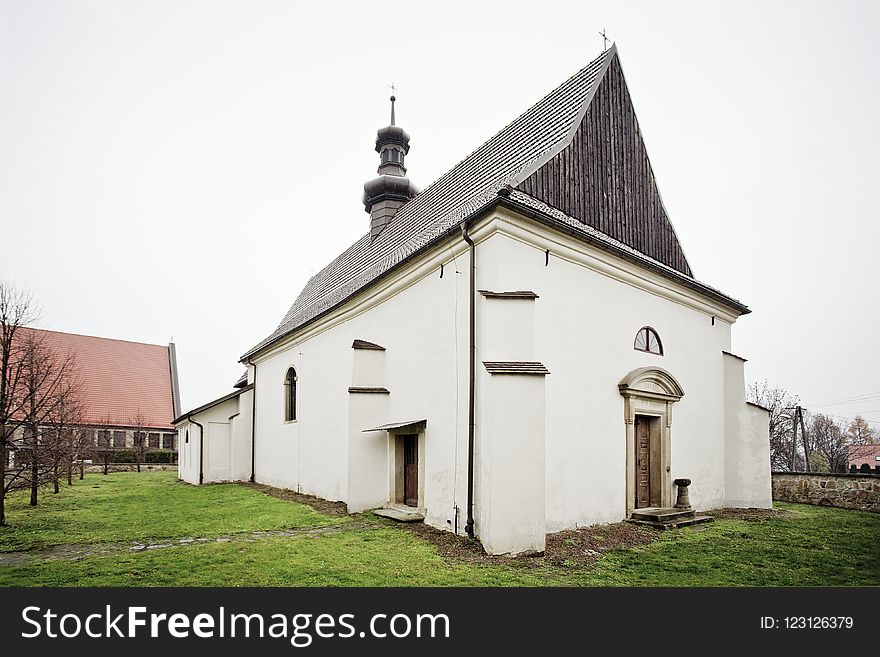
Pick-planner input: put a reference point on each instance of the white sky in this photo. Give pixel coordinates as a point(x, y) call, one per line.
point(182, 167)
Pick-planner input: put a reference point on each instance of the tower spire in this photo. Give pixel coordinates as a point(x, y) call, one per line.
point(384, 194)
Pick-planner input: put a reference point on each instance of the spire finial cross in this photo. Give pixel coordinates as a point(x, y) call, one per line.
point(604, 40)
point(393, 89)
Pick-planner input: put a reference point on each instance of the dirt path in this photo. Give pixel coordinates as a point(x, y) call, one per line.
point(76, 551)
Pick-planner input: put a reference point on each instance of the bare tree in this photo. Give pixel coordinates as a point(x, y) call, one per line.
point(49, 389)
point(17, 310)
point(139, 422)
point(84, 447)
point(65, 417)
point(828, 439)
point(781, 404)
point(104, 449)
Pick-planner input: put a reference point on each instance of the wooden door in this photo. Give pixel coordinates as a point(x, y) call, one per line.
point(643, 462)
point(411, 470)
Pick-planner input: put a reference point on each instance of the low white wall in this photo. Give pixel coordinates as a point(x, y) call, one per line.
point(226, 444)
point(746, 443)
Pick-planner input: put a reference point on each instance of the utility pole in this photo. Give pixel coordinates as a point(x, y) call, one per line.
point(800, 415)
point(794, 427)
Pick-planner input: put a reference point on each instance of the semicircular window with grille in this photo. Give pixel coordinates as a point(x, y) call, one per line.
point(648, 340)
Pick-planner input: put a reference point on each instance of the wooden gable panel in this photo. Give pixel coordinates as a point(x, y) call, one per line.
point(604, 179)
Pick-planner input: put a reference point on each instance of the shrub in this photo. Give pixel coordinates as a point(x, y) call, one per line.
point(159, 456)
point(125, 456)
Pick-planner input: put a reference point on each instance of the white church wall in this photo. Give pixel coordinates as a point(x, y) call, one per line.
point(510, 507)
point(308, 454)
point(240, 430)
point(368, 368)
point(746, 442)
point(424, 330)
point(226, 443)
point(586, 322)
point(187, 453)
point(216, 463)
point(589, 309)
point(368, 452)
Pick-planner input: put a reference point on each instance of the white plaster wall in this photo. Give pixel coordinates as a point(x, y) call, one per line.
point(217, 464)
point(368, 453)
point(507, 328)
point(187, 452)
point(368, 368)
point(585, 326)
point(747, 443)
point(240, 429)
point(424, 330)
point(511, 506)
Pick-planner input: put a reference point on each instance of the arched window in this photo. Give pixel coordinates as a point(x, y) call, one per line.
point(290, 395)
point(648, 340)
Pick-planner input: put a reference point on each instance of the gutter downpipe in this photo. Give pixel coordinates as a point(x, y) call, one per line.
point(201, 450)
point(254, 429)
point(472, 360)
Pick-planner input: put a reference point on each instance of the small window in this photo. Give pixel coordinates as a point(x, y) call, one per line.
point(648, 340)
point(118, 439)
point(167, 441)
point(87, 437)
point(186, 436)
point(104, 439)
point(290, 395)
point(153, 439)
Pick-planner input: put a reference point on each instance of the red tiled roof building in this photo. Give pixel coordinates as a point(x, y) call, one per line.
point(124, 386)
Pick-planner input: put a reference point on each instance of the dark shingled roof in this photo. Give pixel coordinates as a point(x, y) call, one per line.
point(504, 161)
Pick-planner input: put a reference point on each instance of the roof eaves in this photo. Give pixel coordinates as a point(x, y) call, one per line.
point(612, 246)
point(212, 404)
point(429, 244)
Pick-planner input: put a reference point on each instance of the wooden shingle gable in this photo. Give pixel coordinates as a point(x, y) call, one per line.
point(603, 177)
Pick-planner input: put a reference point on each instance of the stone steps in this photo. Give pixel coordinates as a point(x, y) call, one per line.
point(667, 518)
point(400, 515)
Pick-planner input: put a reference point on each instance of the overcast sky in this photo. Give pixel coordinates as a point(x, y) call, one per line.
point(181, 168)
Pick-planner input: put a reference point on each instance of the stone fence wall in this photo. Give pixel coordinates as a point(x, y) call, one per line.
point(846, 491)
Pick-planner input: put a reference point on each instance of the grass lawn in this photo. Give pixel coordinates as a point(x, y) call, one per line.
point(808, 546)
point(132, 506)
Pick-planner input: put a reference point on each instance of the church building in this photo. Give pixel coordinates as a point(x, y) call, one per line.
point(519, 348)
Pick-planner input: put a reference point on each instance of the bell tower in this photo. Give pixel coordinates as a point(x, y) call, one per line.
point(385, 194)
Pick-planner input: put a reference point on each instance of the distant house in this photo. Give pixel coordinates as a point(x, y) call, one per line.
point(862, 457)
point(125, 387)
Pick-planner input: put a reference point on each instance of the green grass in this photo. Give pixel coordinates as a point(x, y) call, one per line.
point(814, 546)
point(385, 556)
point(811, 546)
point(131, 506)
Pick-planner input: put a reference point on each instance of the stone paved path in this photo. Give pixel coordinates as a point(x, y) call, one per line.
point(76, 551)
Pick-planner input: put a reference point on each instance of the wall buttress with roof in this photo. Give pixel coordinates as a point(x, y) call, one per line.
point(604, 178)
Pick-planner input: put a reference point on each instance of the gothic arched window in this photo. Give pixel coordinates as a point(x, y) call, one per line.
point(648, 340)
point(290, 395)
